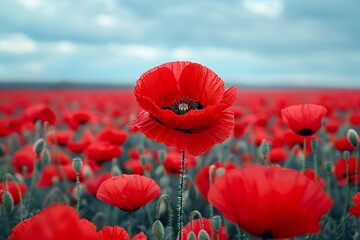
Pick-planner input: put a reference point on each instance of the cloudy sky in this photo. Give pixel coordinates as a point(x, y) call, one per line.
point(253, 42)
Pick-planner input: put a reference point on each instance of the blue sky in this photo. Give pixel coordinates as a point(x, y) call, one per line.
point(252, 42)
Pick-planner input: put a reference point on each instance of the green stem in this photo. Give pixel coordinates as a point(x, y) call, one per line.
point(212, 171)
point(78, 192)
point(180, 195)
point(148, 214)
point(347, 187)
point(130, 223)
point(356, 174)
point(304, 160)
point(32, 185)
point(114, 215)
point(315, 168)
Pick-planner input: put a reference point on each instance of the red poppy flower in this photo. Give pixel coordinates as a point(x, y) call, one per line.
point(124, 191)
point(48, 175)
point(207, 225)
point(332, 125)
point(60, 138)
point(110, 233)
point(76, 118)
point(11, 187)
point(185, 105)
point(79, 145)
point(4, 129)
point(24, 159)
point(304, 119)
point(277, 155)
point(41, 112)
point(102, 151)
point(135, 166)
point(355, 210)
point(172, 162)
point(262, 200)
point(56, 222)
point(139, 236)
point(92, 184)
point(355, 119)
point(60, 157)
point(202, 180)
point(343, 144)
point(340, 170)
point(113, 136)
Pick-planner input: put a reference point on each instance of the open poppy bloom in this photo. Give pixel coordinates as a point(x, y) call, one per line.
point(40, 112)
point(116, 232)
point(304, 119)
point(128, 192)
point(184, 105)
point(56, 222)
point(270, 202)
point(355, 210)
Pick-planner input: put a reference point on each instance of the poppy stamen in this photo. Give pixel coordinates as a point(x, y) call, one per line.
point(184, 105)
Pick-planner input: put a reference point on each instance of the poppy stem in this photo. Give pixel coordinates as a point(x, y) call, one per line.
point(129, 223)
point(304, 160)
point(315, 167)
point(32, 184)
point(347, 187)
point(212, 172)
point(180, 196)
point(78, 192)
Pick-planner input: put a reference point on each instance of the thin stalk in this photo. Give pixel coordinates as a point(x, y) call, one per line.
point(347, 187)
point(32, 184)
point(130, 223)
point(304, 160)
point(316, 167)
point(180, 196)
point(78, 192)
point(212, 171)
point(170, 214)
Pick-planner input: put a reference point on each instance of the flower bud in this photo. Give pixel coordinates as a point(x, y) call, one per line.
point(158, 230)
point(46, 157)
point(328, 167)
point(314, 144)
point(162, 155)
point(191, 236)
point(264, 148)
point(203, 235)
point(353, 137)
point(8, 201)
point(39, 146)
point(77, 164)
point(346, 155)
point(143, 160)
point(216, 220)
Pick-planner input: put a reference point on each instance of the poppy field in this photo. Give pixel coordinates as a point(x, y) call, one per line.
point(179, 156)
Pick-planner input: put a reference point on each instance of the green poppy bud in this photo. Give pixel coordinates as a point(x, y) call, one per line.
point(158, 230)
point(203, 235)
point(77, 164)
point(191, 236)
point(162, 155)
point(264, 148)
point(353, 137)
point(46, 157)
point(39, 146)
point(216, 220)
point(8, 201)
point(346, 155)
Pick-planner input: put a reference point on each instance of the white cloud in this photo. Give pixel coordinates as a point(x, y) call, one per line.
point(136, 51)
point(17, 44)
point(268, 8)
point(65, 47)
point(34, 67)
point(106, 21)
point(30, 4)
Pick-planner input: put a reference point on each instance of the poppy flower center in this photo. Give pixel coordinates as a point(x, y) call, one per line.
point(184, 105)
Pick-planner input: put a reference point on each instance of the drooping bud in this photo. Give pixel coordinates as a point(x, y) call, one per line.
point(77, 164)
point(203, 235)
point(216, 220)
point(162, 155)
point(353, 137)
point(39, 146)
point(8, 201)
point(346, 155)
point(191, 236)
point(264, 148)
point(314, 144)
point(158, 230)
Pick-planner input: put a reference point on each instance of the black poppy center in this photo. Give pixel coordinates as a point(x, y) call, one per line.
point(306, 132)
point(184, 105)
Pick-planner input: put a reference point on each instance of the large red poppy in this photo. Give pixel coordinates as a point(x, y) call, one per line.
point(56, 222)
point(270, 201)
point(304, 119)
point(128, 192)
point(184, 105)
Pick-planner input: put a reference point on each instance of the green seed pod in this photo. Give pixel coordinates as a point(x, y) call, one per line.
point(8, 201)
point(353, 137)
point(162, 155)
point(191, 236)
point(264, 148)
point(314, 144)
point(158, 230)
point(39, 146)
point(346, 155)
point(216, 220)
point(77, 164)
point(203, 235)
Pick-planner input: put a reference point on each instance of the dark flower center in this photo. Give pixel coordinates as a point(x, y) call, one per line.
point(184, 105)
point(306, 132)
